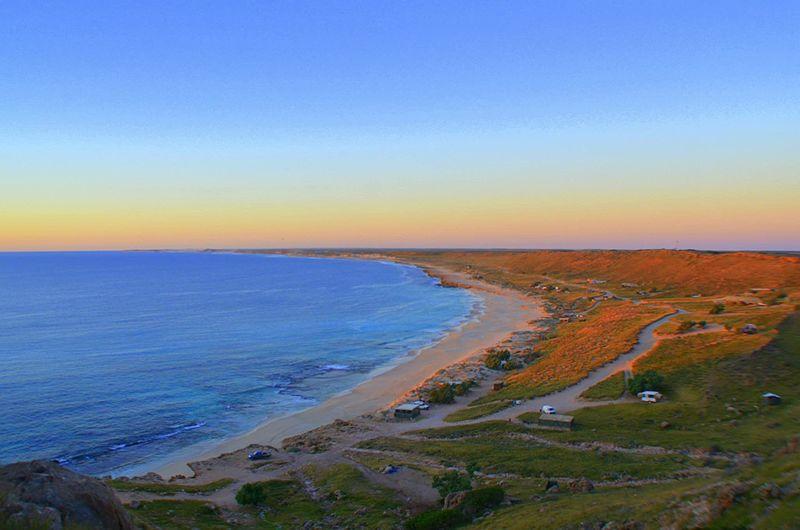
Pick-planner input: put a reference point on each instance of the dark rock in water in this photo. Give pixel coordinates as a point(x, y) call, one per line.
point(41, 493)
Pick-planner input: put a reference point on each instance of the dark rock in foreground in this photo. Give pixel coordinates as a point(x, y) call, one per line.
point(44, 494)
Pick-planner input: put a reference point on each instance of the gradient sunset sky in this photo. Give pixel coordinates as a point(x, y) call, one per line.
point(425, 124)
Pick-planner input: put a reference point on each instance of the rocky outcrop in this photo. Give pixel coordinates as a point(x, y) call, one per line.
point(44, 494)
point(454, 500)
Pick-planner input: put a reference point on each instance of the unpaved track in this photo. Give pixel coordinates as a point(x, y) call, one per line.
point(568, 399)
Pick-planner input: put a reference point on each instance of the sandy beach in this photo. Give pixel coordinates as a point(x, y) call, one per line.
point(505, 311)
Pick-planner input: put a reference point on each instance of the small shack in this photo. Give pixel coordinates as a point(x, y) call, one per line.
point(556, 420)
point(498, 385)
point(771, 399)
point(407, 411)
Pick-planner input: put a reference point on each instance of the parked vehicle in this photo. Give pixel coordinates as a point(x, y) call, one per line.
point(650, 396)
point(547, 409)
point(422, 405)
point(258, 455)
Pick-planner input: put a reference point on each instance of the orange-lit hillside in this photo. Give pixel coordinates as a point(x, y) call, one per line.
point(581, 347)
point(675, 271)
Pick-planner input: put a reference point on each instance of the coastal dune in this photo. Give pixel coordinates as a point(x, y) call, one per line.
point(504, 311)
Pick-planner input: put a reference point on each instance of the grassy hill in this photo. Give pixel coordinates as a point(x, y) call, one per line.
point(671, 271)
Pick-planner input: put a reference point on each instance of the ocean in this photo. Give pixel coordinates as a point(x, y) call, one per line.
point(112, 361)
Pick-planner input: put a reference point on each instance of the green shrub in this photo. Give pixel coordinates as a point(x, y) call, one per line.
point(649, 380)
point(451, 482)
point(495, 358)
point(475, 503)
point(686, 325)
point(716, 309)
point(462, 388)
point(437, 520)
point(442, 394)
point(266, 493)
point(512, 364)
point(251, 494)
point(478, 501)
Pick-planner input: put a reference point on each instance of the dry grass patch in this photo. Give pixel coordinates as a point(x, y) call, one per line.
point(580, 347)
point(612, 387)
point(677, 271)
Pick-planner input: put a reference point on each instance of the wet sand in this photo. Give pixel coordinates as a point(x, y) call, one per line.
point(505, 311)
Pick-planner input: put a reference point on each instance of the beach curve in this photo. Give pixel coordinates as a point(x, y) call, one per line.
point(504, 312)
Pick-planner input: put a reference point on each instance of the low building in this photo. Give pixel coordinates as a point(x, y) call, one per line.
point(771, 399)
point(556, 420)
point(407, 411)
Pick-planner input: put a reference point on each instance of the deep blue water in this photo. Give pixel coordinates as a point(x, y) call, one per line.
point(114, 360)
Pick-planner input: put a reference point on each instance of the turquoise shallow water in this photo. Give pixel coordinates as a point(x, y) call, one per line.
point(111, 360)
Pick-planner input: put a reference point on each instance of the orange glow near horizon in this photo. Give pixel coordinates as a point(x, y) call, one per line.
point(715, 218)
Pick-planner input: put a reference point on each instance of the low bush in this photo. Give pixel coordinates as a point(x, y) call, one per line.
point(462, 388)
point(475, 503)
point(649, 380)
point(266, 493)
point(479, 500)
point(437, 520)
point(716, 309)
point(442, 394)
point(512, 364)
point(495, 358)
point(251, 494)
point(451, 482)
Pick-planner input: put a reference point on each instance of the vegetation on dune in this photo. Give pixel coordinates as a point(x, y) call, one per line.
point(437, 520)
point(168, 488)
point(501, 360)
point(447, 392)
point(714, 403)
point(283, 502)
point(649, 380)
point(451, 482)
point(668, 271)
point(579, 348)
point(500, 453)
point(342, 498)
point(473, 504)
point(717, 309)
point(442, 393)
point(472, 429)
point(679, 352)
point(760, 497)
point(610, 388)
point(477, 411)
point(351, 501)
point(172, 514)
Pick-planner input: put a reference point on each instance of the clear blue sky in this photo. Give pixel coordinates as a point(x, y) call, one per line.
point(132, 109)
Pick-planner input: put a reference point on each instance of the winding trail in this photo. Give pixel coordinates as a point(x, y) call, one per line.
point(568, 399)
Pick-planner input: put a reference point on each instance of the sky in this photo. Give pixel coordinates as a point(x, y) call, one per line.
point(533, 124)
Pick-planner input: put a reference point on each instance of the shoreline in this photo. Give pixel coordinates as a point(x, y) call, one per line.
point(504, 312)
